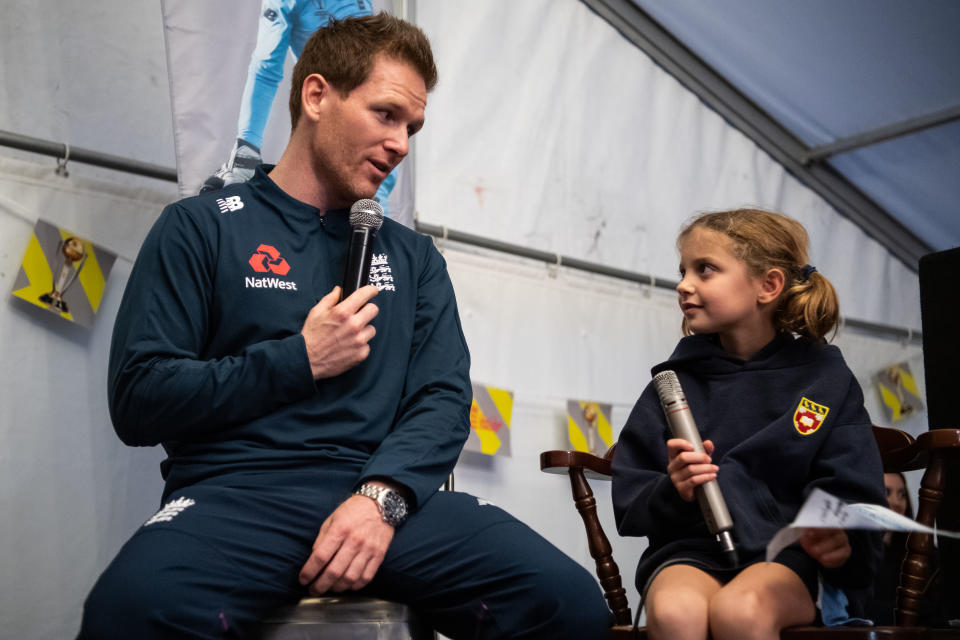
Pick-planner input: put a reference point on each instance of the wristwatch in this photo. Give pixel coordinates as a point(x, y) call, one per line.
point(393, 506)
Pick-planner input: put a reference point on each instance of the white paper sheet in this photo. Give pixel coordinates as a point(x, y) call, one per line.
point(824, 511)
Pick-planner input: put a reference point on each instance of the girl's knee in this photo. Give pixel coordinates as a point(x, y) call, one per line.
point(739, 614)
point(676, 613)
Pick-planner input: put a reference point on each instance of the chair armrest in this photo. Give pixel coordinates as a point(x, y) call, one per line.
point(939, 439)
point(898, 450)
point(562, 461)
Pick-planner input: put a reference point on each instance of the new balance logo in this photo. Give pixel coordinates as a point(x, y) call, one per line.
point(170, 511)
point(380, 274)
point(231, 203)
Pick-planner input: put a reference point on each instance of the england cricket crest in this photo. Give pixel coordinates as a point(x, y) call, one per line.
point(809, 416)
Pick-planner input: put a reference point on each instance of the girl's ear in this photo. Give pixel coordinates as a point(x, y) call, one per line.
point(771, 286)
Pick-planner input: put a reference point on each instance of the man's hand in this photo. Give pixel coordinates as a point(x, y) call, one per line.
point(687, 468)
point(349, 548)
point(829, 547)
point(337, 334)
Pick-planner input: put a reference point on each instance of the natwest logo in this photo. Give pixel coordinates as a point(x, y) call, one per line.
point(267, 258)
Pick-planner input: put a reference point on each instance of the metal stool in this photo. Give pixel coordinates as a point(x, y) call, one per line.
point(346, 618)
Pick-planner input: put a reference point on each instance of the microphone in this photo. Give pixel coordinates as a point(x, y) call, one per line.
point(366, 216)
point(680, 419)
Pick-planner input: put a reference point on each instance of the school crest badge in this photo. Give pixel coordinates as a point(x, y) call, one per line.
point(809, 416)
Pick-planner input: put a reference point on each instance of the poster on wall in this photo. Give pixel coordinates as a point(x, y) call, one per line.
point(63, 273)
point(588, 426)
point(229, 64)
point(490, 414)
point(898, 391)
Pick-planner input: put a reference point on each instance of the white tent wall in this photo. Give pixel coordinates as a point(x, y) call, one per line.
point(547, 130)
point(70, 492)
point(551, 130)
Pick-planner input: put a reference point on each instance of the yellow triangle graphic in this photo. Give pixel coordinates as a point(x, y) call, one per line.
point(577, 439)
point(504, 403)
point(38, 272)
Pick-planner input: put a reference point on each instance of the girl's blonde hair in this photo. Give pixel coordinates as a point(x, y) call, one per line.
point(765, 240)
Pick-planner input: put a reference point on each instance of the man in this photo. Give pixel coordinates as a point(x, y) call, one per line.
point(301, 432)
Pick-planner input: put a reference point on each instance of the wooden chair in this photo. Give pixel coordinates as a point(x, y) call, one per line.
point(932, 450)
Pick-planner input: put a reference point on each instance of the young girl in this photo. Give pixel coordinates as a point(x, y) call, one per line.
point(779, 412)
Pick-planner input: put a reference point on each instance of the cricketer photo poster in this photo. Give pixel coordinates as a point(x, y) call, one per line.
point(229, 64)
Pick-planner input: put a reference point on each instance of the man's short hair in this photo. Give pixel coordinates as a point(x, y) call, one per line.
point(343, 53)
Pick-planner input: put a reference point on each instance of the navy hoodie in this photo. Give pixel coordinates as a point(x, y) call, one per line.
point(207, 356)
point(770, 446)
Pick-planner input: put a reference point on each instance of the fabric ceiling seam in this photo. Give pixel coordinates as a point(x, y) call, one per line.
point(741, 112)
point(882, 134)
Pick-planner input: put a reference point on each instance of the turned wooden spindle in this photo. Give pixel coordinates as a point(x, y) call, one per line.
point(607, 570)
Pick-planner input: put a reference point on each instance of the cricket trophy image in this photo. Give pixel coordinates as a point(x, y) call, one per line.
point(73, 256)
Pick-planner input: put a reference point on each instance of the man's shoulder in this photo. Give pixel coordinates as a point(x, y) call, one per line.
point(418, 246)
point(207, 212)
point(214, 204)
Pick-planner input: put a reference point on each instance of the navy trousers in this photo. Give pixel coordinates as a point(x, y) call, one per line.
point(225, 552)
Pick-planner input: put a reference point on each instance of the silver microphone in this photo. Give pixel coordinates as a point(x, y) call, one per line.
point(682, 425)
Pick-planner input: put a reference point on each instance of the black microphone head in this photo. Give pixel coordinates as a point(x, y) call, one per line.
point(366, 213)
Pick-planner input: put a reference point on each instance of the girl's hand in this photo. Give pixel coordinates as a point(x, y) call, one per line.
point(687, 468)
point(829, 547)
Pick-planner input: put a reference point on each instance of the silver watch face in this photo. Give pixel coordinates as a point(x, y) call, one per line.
point(394, 508)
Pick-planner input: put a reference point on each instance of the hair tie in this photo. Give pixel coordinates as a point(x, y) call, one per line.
point(806, 271)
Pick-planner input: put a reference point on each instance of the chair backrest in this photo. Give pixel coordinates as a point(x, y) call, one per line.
point(933, 450)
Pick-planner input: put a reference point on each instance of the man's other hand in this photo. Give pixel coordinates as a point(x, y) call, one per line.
point(337, 333)
point(349, 548)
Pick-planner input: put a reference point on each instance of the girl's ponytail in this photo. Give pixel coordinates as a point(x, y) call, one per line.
point(809, 307)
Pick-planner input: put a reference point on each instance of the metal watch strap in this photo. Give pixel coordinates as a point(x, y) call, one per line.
point(378, 494)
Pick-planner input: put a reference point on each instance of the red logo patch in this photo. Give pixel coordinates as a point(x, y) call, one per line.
point(809, 416)
point(267, 258)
